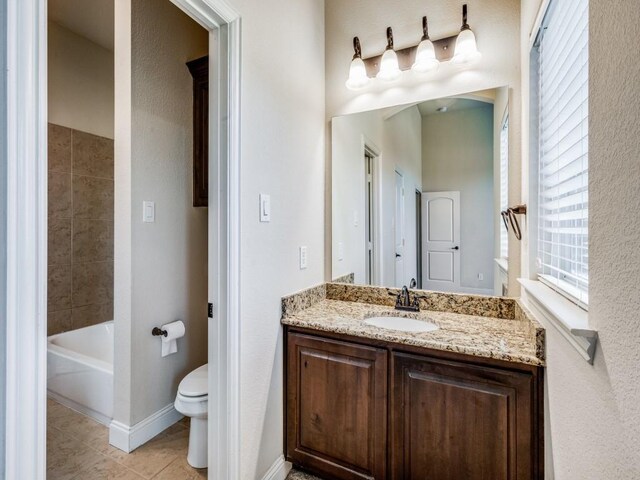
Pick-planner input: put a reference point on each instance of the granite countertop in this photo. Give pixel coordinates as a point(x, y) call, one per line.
point(519, 339)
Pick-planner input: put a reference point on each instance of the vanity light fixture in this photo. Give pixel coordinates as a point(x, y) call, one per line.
point(389, 69)
point(422, 58)
point(357, 71)
point(466, 48)
point(426, 60)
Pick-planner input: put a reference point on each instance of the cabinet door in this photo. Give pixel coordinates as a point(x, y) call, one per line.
point(455, 421)
point(336, 407)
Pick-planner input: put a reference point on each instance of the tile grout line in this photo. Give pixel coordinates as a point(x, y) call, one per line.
point(72, 222)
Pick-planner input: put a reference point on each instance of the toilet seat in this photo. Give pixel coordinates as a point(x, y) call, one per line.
point(196, 383)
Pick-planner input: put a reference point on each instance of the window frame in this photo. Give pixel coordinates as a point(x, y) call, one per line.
point(534, 147)
point(504, 233)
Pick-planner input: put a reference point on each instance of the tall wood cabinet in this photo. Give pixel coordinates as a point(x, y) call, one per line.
point(199, 70)
point(378, 411)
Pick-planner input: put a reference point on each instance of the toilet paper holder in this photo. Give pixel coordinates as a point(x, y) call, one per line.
point(158, 332)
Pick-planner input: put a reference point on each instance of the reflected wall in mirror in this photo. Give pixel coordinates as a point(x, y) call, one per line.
point(417, 192)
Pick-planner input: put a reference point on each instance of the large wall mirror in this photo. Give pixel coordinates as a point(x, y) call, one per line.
point(417, 192)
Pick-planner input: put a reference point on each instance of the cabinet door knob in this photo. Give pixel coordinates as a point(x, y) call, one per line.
point(455, 248)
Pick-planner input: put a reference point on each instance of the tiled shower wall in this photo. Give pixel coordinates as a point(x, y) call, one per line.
point(80, 242)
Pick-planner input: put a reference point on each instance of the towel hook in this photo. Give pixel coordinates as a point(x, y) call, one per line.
point(510, 215)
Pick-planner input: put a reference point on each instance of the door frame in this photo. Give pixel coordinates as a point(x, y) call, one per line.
point(369, 147)
point(399, 171)
point(25, 182)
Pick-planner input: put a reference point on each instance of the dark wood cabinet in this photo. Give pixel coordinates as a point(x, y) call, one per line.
point(451, 421)
point(359, 409)
point(336, 407)
point(199, 69)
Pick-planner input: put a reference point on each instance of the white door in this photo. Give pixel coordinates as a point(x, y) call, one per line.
point(441, 241)
point(399, 230)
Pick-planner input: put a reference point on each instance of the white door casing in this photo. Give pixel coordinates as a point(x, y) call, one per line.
point(26, 245)
point(25, 311)
point(223, 24)
point(441, 241)
point(398, 224)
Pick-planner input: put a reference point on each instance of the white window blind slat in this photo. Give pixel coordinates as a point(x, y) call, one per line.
point(563, 109)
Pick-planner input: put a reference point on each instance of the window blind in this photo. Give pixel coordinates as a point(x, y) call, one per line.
point(563, 147)
point(504, 184)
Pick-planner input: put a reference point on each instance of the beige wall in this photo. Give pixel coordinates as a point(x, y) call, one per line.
point(80, 82)
point(80, 229)
point(161, 267)
point(593, 414)
point(282, 150)
point(497, 27)
point(457, 155)
point(80, 170)
point(283, 141)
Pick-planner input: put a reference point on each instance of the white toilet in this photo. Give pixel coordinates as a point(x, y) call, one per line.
point(192, 401)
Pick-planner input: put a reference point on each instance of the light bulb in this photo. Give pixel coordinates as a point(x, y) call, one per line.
point(466, 51)
point(389, 69)
point(357, 71)
point(357, 75)
point(466, 48)
point(426, 60)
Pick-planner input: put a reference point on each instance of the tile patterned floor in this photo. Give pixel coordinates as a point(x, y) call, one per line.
point(298, 475)
point(78, 448)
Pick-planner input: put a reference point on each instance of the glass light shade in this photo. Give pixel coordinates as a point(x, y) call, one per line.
point(357, 75)
point(389, 69)
point(426, 60)
point(466, 49)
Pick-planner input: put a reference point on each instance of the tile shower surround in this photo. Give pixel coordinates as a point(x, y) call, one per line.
point(80, 231)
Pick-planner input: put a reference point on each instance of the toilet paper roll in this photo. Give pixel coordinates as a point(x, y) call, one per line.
point(174, 330)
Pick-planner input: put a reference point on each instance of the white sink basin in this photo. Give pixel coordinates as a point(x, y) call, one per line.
point(402, 324)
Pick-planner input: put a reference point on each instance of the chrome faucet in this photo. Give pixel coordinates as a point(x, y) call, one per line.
point(404, 300)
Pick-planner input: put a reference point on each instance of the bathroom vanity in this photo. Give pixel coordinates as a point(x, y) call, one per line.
point(462, 402)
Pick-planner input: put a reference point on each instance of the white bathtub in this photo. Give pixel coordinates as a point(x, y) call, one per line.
point(80, 370)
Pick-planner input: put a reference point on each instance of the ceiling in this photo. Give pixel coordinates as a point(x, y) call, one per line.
point(451, 104)
point(90, 19)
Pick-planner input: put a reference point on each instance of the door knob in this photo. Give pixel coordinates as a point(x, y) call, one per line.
point(455, 248)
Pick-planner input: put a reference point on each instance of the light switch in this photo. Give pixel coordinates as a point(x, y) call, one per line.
point(148, 212)
point(303, 258)
point(340, 251)
point(265, 207)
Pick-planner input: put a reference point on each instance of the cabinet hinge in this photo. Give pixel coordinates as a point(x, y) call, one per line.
point(210, 310)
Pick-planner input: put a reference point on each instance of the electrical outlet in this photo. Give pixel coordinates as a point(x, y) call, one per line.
point(303, 258)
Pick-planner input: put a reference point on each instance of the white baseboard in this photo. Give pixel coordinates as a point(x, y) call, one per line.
point(474, 291)
point(279, 470)
point(128, 438)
